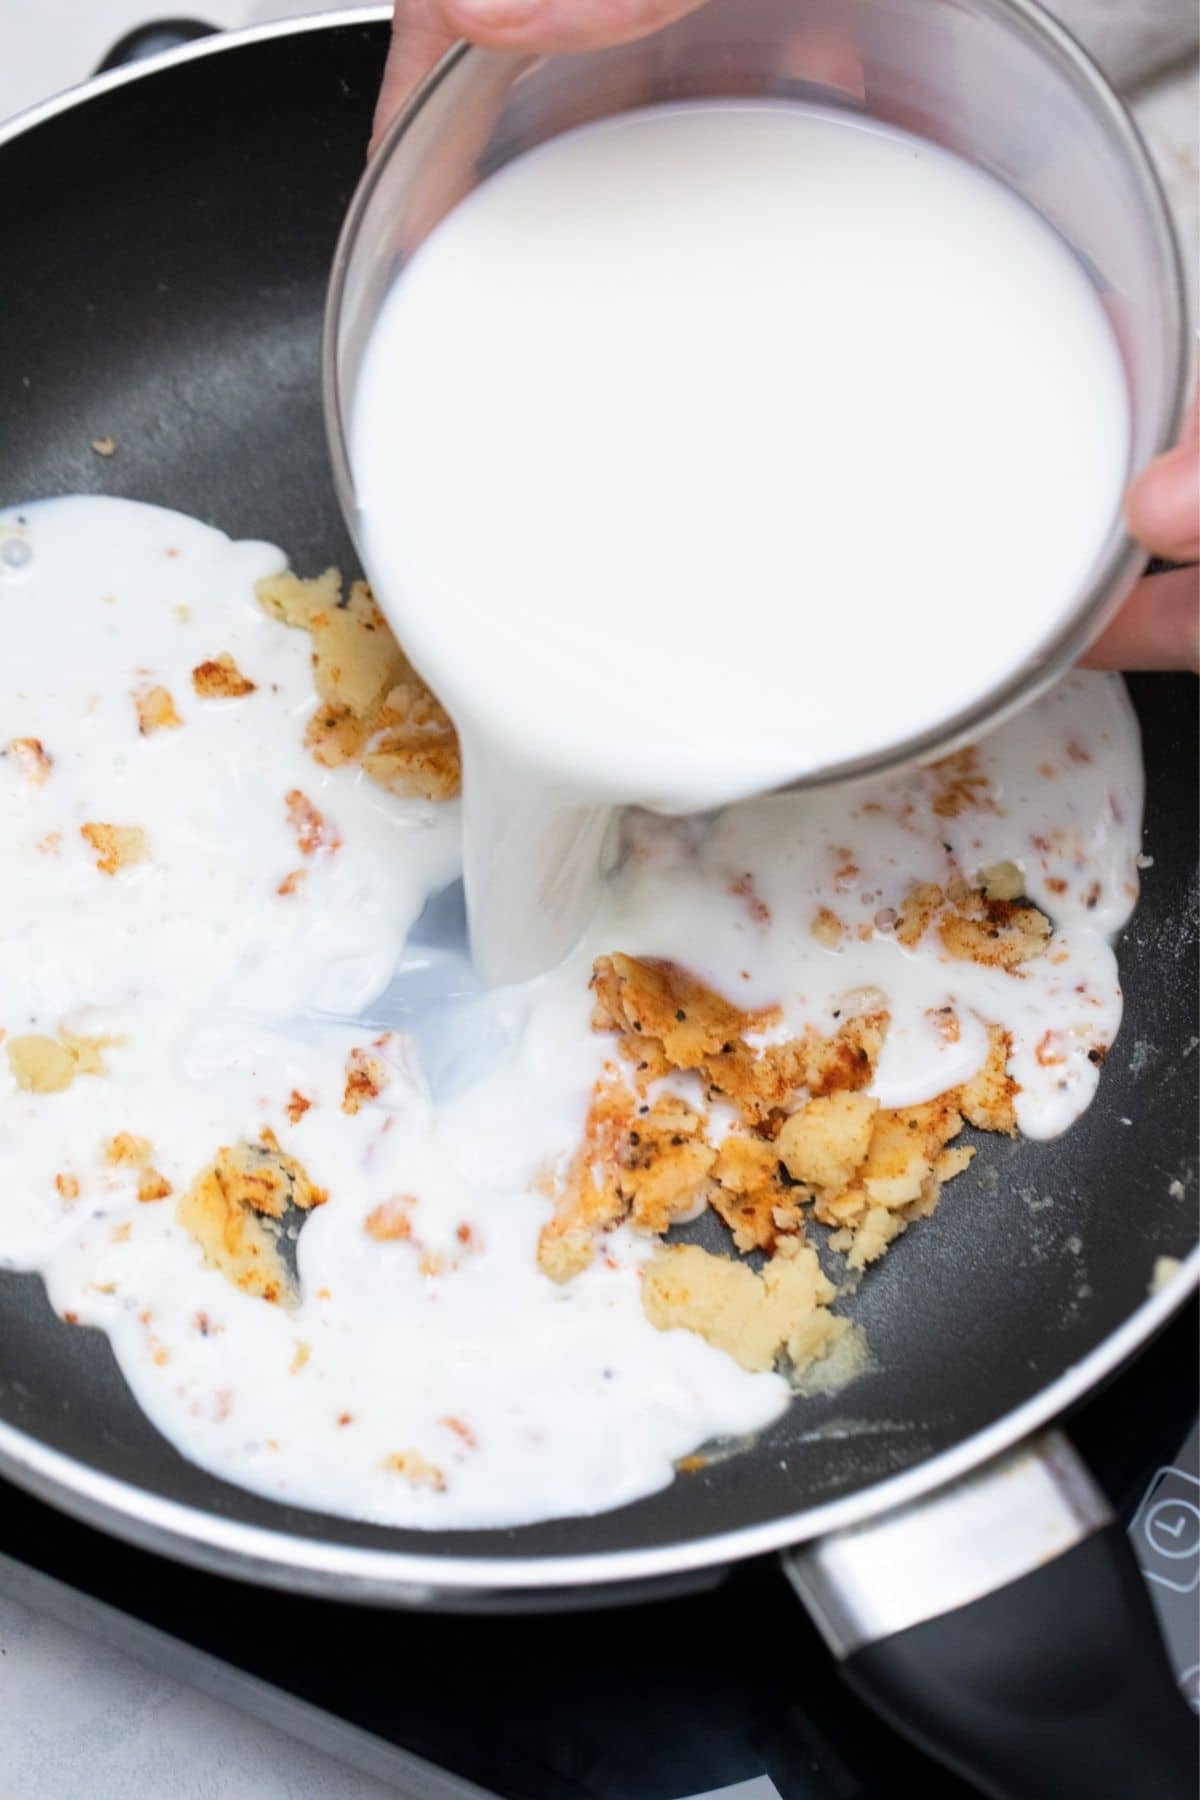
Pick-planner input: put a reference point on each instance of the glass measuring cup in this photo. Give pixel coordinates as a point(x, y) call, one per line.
point(994, 81)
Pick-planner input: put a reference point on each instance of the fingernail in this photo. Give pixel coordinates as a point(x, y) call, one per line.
point(495, 14)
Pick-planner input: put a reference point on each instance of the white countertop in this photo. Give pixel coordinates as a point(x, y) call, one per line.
point(78, 1718)
point(75, 1716)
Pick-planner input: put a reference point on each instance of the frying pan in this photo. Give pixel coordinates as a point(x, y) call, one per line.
point(167, 235)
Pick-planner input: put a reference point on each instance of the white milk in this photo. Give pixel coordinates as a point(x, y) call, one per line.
point(533, 1400)
point(710, 446)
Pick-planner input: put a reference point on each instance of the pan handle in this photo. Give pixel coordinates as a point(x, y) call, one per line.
point(152, 39)
point(1004, 1627)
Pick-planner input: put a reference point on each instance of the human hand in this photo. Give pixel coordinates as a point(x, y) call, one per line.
point(1159, 625)
point(423, 30)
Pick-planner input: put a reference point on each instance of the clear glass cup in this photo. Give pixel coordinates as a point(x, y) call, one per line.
point(996, 81)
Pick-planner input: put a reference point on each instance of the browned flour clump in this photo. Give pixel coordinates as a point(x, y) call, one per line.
point(375, 710)
point(238, 1208)
point(809, 1141)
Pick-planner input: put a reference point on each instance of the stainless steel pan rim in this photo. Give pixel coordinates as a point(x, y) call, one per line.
point(402, 1578)
point(321, 1567)
point(215, 45)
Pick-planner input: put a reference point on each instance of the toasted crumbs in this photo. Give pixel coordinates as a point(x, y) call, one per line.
point(292, 881)
point(88, 1051)
point(70, 1318)
point(68, 1187)
point(743, 888)
point(296, 1107)
point(691, 1465)
point(46, 1065)
point(51, 844)
point(122, 1233)
point(824, 1143)
point(375, 709)
point(669, 1020)
point(313, 830)
point(293, 601)
point(416, 1470)
point(998, 934)
point(945, 1022)
point(960, 785)
point(135, 1152)
point(811, 1135)
point(116, 846)
point(461, 1431)
point(827, 928)
point(125, 1148)
point(917, 912)
point(40, 1065)
point(221, 679)
point(300, 1356)
point(155, 710)
point(335, 736)
point(31, 759)
point(391, 1220)
point(649, 1166)
point(754, 1318)
point(366, 1078)
point(1163, 1273)
point(235, 1208)
point(751, 1196)
point(995, 933)
point(104, 446)
point(412, 747)
point(1002, 881)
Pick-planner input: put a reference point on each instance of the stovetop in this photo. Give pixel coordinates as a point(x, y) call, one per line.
point(660, 1702)
point(678, 1697)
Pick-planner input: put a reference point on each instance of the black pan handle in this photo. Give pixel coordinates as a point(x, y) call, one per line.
point(152, 39)
point(1004, 1627)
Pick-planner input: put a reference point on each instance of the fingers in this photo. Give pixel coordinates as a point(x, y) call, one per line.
point(423, 30)
point(1163, 505)
point(1157, 628)
point(420, 36)
point(560, 24)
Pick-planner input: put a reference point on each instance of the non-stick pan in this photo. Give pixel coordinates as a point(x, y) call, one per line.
point(167, 233)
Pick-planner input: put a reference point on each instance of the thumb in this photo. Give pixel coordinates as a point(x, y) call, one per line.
point(420, 37)
point(548, 25)
point(423, 30)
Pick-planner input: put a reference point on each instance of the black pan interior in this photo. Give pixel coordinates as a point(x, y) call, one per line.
point(165, 255)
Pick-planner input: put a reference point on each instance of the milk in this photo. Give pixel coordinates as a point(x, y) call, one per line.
point(710, 446)
point(225, 999)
